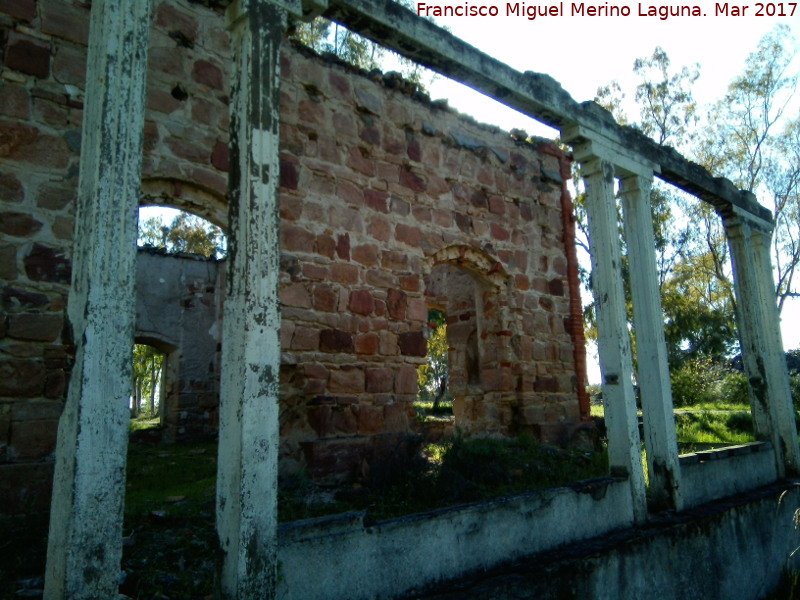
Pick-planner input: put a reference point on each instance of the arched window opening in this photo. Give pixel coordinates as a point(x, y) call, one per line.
point(175, 231)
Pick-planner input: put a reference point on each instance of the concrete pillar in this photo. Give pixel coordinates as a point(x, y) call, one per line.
point(613, 342)
point(248, 439)
point(651, 349)
point(85, 541)
point(760, 338)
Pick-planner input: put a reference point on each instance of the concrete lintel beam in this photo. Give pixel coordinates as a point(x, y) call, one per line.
point(588, 144)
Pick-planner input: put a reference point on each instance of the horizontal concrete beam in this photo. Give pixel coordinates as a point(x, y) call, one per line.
point(534, 94)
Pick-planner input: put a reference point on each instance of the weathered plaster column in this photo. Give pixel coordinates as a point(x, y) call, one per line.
point(248, 442)
point(759, 334)
point(84, 545)
point(624, 448)
point(651, 349)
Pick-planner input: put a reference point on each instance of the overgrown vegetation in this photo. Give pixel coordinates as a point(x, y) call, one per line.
point(456, 471)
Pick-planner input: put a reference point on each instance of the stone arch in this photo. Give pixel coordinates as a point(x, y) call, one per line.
point(190, 197)
point(471, 288)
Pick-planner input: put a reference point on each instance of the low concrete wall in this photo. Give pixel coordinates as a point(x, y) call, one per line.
point(344, 557)
point(731, 550)
point(714, 474)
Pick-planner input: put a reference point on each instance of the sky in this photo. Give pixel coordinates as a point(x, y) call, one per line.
point(584, 53)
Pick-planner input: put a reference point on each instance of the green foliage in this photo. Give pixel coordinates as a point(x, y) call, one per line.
point(324, 36)
point(713, 428)
point(432, 374)
point(186, 233)
point(703, 381)
point(148, 367)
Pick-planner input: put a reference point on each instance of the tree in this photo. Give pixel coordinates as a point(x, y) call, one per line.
point(433, 374)
point(324, 36)
point(747, 137)
point(186, 233)
point(751, 140)
point(148, 366)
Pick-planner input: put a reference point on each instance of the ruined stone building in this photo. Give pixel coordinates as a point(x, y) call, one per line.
point(354, 207)
point(390, 206)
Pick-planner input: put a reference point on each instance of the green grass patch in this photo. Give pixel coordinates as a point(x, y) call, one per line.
point(145, 422)
point(714, 428)
point(426, 408)
point(178, 479)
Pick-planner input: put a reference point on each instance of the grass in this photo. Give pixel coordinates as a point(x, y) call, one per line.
point(714, 428)
point(144, 422)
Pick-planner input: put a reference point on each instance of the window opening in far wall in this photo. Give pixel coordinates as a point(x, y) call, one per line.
point(434, 395)
point(148, 378)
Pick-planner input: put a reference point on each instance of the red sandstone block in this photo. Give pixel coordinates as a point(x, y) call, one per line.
point(344, 273)
point(396, 304)
point(336, 341)
point(320, 419)
point(47, 264)
point(421, 214)
point(500, 233)
point(287, 331)
point(359, 160)
point(19, 9)
point(414, 150)
point(172, 19)
point(18, 224)
point(343, 420)
point(361, 302)
point(33, 439)
point(210, 179)
point(315, 272)
point(340, 85)
point(55, 384)
point(15, 103)
point(346, 380)
point(207, 73)
point(325, 246)
point(370, 419)
point(8, 262)
point(367, 343)
point(21, 378)
point(326, 298)
point(376, 200)
point(410, 283)
point(305, 338)
point(380, 229)
point(219, 158)
point(407, 234)
point(412, 181)
point(556, 287)
point(388, 343)
point(343, 246)
point(65, 20)
point(291, 207)
point(417, 310)
point(380, 380)
point(365, 254)
point(412, 343)
point(294, 239)
point(35, 327)
point(295, 295)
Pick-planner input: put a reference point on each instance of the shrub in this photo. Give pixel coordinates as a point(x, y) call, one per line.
point(694, 382)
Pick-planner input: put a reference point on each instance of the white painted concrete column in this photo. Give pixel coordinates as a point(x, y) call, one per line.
point(613, 342)
point(247, 481)
point(651, 349)
point(85, 541)
point(762, 347)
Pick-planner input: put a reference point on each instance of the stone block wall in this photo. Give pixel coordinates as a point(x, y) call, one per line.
point(380, 188)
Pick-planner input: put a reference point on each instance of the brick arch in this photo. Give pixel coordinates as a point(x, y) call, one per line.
point(186, 196)
point(473, 260)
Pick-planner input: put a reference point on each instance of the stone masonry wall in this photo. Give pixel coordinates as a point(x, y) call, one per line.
point(379, 187)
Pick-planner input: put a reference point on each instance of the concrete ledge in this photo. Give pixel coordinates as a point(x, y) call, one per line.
point(714, 474)
point(348, 557)
point(734, 549)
